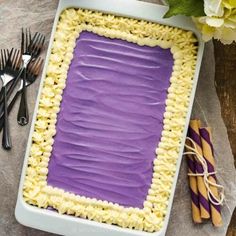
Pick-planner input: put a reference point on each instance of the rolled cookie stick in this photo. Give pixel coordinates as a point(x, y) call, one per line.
point(209, 157)
point(193, 187)
point(193, 132)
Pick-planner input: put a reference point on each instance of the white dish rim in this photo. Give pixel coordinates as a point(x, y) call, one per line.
point(68, 225)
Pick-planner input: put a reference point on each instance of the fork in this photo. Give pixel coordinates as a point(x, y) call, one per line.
point(30, 49)
point(13, 75)
point(4, 55)
point(10, 70)
point(32, 73)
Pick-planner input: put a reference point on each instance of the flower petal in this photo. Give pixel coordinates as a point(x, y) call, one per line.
point(214, 22)
point(213, 8)
point(230, 24)
point(229, 4)
point(219, 22)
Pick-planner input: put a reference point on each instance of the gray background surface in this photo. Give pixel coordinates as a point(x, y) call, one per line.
point(39, 15)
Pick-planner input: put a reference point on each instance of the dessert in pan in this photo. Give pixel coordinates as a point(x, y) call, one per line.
point(111, 118)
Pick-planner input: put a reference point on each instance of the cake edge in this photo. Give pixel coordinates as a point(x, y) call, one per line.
point(36, 191)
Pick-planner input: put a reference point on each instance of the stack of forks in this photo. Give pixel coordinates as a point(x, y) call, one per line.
point(18, 70)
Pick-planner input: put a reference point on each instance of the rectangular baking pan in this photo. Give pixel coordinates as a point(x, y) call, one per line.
point(51, 221)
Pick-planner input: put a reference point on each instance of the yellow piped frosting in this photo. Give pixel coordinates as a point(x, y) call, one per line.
point(183, 47)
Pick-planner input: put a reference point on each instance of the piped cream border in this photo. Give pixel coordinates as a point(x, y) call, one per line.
point(184, 49)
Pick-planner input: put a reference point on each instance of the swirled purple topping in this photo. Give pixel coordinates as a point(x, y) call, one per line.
point(110, 120)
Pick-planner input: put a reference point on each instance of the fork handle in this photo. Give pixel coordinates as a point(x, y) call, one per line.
point(1, 95)
point(23, 114)
point(9, 85)
point(2, 92)
point(10, 90)
point(6, 139)
point(9, 108)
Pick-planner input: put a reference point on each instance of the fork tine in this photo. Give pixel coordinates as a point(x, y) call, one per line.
point(8, 57)
point(36, 67)
point(29, 68)
point(13, 58)
point(26, 39)
point(2, 60)
point(10, 54)
point(22, 40)
point(40, 44)
point(37, 42)
point(29, 73)
point(29, 36)
point(19, 59)
point(1, 65)
point(34, 42)
point(40, 65)
point(25, 43)
point(16, 59)
point(32, 65)
point(42, 40)
point(5, 56)
point(35, 35)
point(34, 39)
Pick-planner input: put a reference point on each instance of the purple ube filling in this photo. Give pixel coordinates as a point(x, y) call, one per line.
point(110, 120)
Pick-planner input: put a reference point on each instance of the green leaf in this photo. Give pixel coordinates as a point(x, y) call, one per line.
point(185, 7)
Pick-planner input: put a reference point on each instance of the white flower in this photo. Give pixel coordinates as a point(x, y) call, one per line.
point(219, 22)
point(213, 8)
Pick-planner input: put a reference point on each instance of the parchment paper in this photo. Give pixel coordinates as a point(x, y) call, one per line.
point(39, 15)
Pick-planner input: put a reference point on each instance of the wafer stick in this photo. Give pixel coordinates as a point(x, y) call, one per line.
point(202, 191)
point(208, 155)
point(193, 188)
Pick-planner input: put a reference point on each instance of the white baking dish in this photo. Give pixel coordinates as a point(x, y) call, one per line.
point(51, 221)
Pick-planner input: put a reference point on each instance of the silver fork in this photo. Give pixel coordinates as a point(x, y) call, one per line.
point(4, 54)
point(3, 59)
point(30, 49)
point(10, 64)
point(33, 71)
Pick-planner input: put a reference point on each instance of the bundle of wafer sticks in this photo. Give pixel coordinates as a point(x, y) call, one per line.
point(206, 194)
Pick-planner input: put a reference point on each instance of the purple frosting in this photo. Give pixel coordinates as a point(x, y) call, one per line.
point(110, 120)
